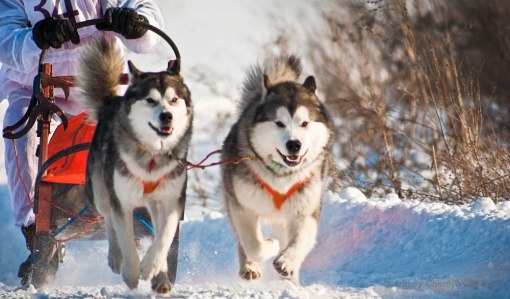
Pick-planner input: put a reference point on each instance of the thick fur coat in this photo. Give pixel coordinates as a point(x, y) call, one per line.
point(137, 156)
point(286, 132)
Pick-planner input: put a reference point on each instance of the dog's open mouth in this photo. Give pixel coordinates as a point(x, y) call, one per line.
point(291, 160)
point(162, 131)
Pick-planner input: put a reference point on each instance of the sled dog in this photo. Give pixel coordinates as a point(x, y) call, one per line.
point(136, 157)
point(287, 132)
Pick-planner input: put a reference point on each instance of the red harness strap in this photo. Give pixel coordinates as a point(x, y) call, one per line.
point(280, 198)
point(150, 186)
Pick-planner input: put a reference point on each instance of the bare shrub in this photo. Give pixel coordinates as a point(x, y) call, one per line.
point(419, 90)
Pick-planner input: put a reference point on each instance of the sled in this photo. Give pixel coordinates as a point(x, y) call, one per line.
point(62, 211)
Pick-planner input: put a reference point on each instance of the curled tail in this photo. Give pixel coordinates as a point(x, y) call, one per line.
point(276, 69)
point(99, 69)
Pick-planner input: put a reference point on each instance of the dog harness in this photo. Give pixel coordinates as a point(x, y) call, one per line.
point(280, 198)
point(150, 186)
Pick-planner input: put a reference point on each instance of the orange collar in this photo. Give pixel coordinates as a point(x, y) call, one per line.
point(280, 198)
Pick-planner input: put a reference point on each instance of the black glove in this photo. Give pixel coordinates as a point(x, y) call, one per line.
point(54, 32)
point(122, 20)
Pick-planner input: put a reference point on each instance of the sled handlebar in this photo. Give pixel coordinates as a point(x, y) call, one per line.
point(148, 26)
point(40, 105)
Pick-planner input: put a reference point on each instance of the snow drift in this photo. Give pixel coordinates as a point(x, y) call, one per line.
point(371, 247)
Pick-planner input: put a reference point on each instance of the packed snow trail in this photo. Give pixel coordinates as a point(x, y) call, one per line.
point(366, 248)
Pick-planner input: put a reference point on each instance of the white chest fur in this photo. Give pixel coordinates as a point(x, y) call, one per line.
point(131, 191)
point(144, 172)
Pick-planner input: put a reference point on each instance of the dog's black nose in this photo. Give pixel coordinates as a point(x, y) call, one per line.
point(293, 146)
point(165, 117)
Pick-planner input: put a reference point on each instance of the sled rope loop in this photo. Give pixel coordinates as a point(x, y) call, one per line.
point(201, 165)
point(148, 188)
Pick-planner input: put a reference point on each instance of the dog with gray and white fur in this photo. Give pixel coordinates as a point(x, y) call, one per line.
point(286, 134)
point(136, 157)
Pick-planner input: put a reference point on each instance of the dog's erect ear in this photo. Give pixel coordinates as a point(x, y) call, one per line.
point(310, 84)
point(265, 86)
point(133, 71)
point(174, 67)
point(267, 83)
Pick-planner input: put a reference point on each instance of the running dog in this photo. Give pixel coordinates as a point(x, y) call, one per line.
point(136, 157)
point(286, 134)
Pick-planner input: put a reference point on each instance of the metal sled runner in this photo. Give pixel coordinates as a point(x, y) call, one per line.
point(62, 211)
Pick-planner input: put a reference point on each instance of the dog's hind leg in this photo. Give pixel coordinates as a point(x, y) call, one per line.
point(302, 233)
point(253, 247)
point(123, 225)
point(114, 252)
point(101, 199)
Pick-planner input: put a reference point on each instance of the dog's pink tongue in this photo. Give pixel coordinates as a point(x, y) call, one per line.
point(293, 158)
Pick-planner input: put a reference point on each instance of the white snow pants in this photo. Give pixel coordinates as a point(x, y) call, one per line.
point(21, 162)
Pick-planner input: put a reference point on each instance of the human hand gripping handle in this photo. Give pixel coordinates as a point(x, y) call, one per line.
point(123, 21)
point(54, 32)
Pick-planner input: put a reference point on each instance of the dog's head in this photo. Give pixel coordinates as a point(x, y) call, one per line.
point(159, 109)
point(291, 127)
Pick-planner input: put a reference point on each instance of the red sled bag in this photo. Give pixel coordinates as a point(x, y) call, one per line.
point(70, 169)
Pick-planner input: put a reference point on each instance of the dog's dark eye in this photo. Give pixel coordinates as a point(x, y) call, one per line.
point(280, 124)
point(174, 99)
point(151, 101)
point(304, 124)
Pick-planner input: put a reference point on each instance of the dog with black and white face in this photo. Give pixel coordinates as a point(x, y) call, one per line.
point(286, 130)
point(137, 156)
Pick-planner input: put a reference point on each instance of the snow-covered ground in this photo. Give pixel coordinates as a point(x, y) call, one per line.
point(367, 247)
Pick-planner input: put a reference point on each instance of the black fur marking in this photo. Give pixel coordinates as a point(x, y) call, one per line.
point(160, 81)
point(290, 95)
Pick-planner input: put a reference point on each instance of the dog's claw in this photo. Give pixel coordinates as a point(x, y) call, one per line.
point(283, 267)
point(250, 275)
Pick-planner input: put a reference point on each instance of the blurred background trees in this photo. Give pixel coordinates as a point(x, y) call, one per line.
point(420, 91)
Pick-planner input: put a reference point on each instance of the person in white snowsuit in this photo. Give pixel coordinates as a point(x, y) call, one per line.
point(26, 26)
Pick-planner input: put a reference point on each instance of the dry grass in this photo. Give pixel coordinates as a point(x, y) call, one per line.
point(420, 89)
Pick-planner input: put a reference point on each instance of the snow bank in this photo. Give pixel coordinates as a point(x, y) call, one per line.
point(398, 246)
point(412, 245)
point(366, 247)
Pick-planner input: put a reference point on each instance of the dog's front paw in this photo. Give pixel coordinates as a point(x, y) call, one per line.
point(286, 265)
point(160, 283)
point(131, 273)
point(152, 264)
point(250, 271)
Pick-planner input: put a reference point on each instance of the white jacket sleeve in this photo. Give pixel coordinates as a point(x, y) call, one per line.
point(17, 47)
point(148, 9)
